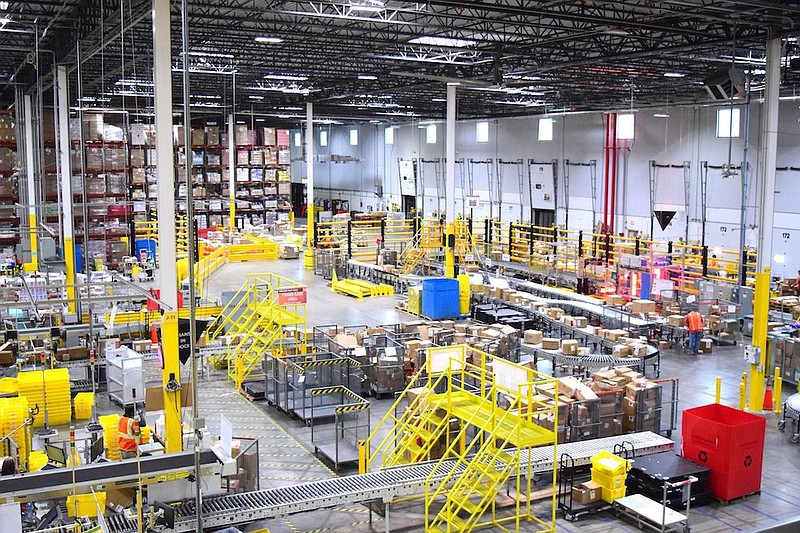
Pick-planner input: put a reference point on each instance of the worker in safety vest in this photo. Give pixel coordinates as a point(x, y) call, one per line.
point(694, 323)
point(128, 433)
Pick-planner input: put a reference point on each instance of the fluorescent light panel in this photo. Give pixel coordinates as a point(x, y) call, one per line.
point(367, 77)
point(269, 40)
point(286, 77)
point(449, 42)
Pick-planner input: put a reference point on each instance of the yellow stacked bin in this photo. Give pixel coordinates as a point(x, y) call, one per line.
point(36, 460)
point(144, 435)
point(415, 300)
point(110, 425)
point(609, 471)
point(84, 504)
point(84, 401)
point(9, 386)
point(463, 293)
point(13, 412)
point(58, 408)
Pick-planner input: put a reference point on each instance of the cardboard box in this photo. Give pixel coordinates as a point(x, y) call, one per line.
point(551, 344)
point(586, 493)
point(620, 350)
point(643, 306)
point(569, 346)
point(580, 321)
point(675, 320)
point(663, 345)
point(614, 299)
point(532, 336)
point(585, 393)
point(706, 345)
point(154, 398)
point(568, 385)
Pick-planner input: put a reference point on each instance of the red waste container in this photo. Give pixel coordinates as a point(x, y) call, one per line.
point(728, 441)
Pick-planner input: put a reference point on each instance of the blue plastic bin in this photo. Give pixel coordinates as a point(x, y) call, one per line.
point(440, 298)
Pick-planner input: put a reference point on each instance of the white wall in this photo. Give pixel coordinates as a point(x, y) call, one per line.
point(689, 134)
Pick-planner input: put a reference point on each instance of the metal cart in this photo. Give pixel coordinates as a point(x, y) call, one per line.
point(656, 515)
point(791, 410)
point(339, 442)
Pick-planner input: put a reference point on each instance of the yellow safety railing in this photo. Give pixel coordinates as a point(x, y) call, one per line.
point(209, 264)
point(257, 321)
point(487, 442)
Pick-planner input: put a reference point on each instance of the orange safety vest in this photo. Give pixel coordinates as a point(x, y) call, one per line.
point(694, 321)
point(128, 434)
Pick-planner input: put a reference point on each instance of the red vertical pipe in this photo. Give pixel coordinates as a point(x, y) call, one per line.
point(605, 175)
point(613, 187)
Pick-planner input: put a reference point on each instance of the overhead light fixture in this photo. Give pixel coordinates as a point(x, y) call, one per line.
point(454, 83)
point(3, 6)
point(201, 53)
point(367, 77)
point(661, 115)
point(206, 96)
point(292, 108)
point(369, 6)
point(269, 40)
point(430, 40)
point(4, 21)
point(285, 77)
point(255, 97)
point(135, 82)
point(674, 75)
point(438, 99)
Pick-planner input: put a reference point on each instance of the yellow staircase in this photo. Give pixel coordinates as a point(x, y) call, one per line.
point(455, 417)
point(466, 251)
point(257, 320)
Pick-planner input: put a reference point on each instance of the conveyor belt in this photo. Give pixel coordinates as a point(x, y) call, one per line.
point(386, 485)
point(55, 483)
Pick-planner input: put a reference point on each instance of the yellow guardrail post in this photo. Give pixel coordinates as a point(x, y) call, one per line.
point(718, 393)
point(760, 318)
point(743, 392)
point(778, 390)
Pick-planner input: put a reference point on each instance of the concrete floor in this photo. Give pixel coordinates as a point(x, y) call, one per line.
point(285, 443)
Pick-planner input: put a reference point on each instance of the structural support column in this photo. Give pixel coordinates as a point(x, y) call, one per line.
point(65, 171)
point(165, 175)
point(165, 169)
point(309, 255)
point(769, 144)
point(450, 157)
point(30, 184)
point(232, 172)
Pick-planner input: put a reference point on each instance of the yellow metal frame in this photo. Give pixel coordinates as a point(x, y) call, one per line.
point(487, 444)
point(538, 247)
point(359, 288)
point(260, 323)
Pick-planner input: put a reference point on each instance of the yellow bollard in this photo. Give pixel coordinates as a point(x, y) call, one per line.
point(743, 392)
point(362, 456)
point(718, 394)
point(778, 390)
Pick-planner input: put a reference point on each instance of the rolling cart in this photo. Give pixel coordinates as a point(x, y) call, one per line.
point(570, 474)
point(656, 515)
point(791, 410)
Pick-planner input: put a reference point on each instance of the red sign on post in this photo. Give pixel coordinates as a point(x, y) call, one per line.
point(292, 295)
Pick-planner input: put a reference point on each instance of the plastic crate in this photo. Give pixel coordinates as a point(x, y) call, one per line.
point(611, 482)
point(609, 495)
point(609, 464)
point(728, 441)
point(84, 401)
point(84, 504)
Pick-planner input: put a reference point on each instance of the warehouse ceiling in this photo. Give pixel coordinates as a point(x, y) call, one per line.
point(392, 60)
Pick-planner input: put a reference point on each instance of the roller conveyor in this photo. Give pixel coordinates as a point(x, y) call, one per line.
point(386, 486)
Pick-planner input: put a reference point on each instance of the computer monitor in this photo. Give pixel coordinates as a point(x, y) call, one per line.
point(55, 454)
point(96, 450)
